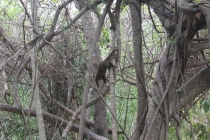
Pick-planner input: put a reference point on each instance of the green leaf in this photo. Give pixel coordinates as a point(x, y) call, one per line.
point(206, 107)
point(55, 1)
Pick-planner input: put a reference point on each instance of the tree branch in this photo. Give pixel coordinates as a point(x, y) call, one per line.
point(199, 63)
point(52, 119)
point(195, 47)
point(57, 13)
point(194, 87)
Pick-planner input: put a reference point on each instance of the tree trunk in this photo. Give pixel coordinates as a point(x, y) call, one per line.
point(135, 9)
point(164, 94)
point(92, 35)
point(34, 60)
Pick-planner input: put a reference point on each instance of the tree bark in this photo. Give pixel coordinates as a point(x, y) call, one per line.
point(34, 60)
point(83, 109)
point(52, 119)
point(93, 35)
point(194, 87)
point(166, 101)
point(135, 9)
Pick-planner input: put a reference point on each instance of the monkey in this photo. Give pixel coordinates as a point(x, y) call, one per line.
point(103, 66)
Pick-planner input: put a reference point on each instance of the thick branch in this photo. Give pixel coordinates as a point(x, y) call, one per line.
point(195, 47)
point(196, 64)
point(6, 40)
point(194, 87)
point(186, 7)
point(52, 119)
point(57, 13)
point(84, 10)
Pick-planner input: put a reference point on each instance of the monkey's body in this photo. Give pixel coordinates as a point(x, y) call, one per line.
point(103, 66)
